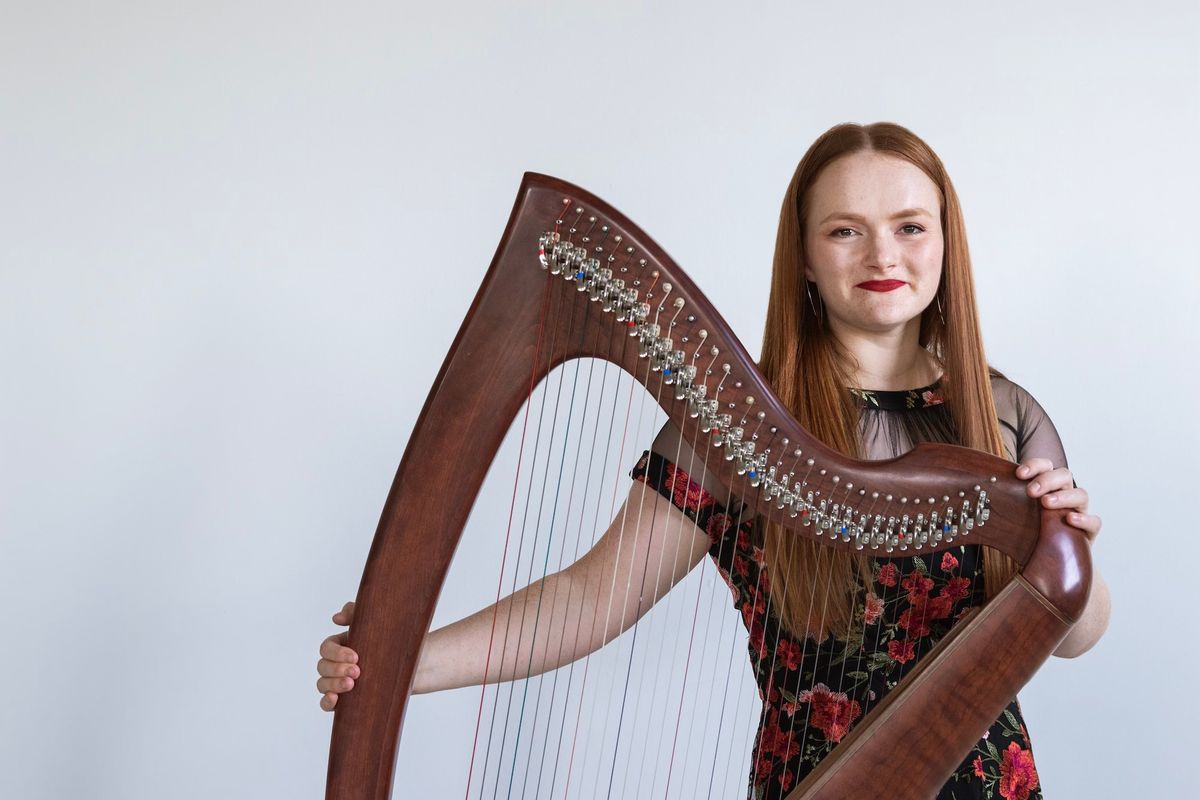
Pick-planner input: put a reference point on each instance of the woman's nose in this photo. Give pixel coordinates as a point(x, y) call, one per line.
point(882, 251)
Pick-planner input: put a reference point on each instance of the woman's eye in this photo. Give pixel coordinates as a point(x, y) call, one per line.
point(838, 232)
point(917, 228)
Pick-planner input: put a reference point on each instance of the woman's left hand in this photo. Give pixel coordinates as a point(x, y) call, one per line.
point(1057, 490)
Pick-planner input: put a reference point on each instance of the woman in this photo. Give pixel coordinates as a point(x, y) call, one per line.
point(871, 287)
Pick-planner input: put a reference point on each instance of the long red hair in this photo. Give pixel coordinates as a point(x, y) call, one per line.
point(813, 587)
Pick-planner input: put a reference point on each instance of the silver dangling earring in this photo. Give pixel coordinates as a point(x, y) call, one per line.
point(808, 290)
point(938, 297)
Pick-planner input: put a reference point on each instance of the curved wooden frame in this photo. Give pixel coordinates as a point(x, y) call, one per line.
point(483, 382)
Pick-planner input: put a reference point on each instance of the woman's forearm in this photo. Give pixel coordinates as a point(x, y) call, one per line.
point(1091, 625)
point(539, 628)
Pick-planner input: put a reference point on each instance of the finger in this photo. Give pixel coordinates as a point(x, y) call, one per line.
point(331, 669)
point(1076, 499)
point(335, 684)
point(1050, 481)
point(332, 644)
point(333, 649)
point(1034, 466)
point(1088, 523)
point(328, 701)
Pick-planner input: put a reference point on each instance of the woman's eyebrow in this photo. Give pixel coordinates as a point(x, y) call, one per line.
point(908, 212)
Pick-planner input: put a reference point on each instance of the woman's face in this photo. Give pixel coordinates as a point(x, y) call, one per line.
point(873, 218)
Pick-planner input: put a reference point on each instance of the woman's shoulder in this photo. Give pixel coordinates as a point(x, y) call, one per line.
point(1023, 419)
point(1013, 401)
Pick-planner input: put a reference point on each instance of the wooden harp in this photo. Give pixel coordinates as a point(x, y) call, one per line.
point(508, 342)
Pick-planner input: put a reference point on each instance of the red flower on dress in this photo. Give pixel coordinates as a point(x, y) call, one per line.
point(685, 491)
point(917, 585)
point(949, 562)
point(717, 525)
point(832, 713)
point(785, 779)
point(872, 609)
point(901, 651)
point(775, 740)
point(762, 767)
point(743, 540)
point(924, 610)
point(751, 610)
point(887, 574)
point(741, 566)
point(932, 398)
point(788, 653)
point(764, 584)
point(978, 765)
point(757, 640)
point(956, 589)
point(1018, 776)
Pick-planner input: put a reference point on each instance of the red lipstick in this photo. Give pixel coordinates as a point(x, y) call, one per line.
point(880, 286)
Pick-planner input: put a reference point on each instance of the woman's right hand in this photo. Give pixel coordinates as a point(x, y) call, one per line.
point(338, 666)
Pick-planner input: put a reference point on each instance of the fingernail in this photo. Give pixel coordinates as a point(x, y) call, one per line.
point(1035, 486)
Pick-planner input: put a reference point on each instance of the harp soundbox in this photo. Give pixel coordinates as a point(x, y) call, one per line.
point(551, 296)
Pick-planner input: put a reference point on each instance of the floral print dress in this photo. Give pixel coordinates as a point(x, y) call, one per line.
point(814, 693)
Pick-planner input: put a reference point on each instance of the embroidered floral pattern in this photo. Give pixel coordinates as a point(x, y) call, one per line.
point(1010, 772)
point(814, 693)
point(831, 712)
point(900, 400)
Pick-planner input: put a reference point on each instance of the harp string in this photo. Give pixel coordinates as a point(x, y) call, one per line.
point(579, 616)
point(597, 522)
point(652, 675)
point(533, 470)
point(585, 752)
point(509, 687)
point(656, 700)
point(571, 494)
point(754, 604)
point(637, 532)
point(700, 585)
point(730, 498)
point(678, 627)
point(508, 528)
point(573, 311)
point(768, 602)
point(601, 744)
point(558, 484)
point(719, 650)
point(743, 517)
point(857, 653)
point(596, 519)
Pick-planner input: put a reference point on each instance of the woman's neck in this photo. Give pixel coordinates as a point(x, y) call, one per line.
point(888, 361)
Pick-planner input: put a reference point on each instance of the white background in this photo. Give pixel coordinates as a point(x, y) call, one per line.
point(236, 240)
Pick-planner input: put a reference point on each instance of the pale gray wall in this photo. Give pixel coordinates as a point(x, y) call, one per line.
point(236, 240)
